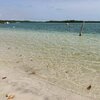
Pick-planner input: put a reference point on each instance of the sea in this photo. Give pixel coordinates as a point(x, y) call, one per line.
point(56, 52)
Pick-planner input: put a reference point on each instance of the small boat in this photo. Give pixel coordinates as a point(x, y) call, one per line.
point(67, 23)
point(7, 22)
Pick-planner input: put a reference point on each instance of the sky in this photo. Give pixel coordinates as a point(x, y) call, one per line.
point(42, 10)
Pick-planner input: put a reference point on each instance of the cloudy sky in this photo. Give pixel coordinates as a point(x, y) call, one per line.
point(50, 9)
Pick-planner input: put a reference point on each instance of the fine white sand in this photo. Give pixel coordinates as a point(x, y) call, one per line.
point(26, 87)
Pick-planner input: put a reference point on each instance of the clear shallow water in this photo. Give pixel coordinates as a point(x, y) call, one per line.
point(92, 28)
point(58, 55)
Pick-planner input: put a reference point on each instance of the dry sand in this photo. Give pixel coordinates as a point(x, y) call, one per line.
point(18, 85)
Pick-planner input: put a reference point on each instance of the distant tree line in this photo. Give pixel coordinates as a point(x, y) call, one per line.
point(73, 21)
point(14, 21)
point(52, 21)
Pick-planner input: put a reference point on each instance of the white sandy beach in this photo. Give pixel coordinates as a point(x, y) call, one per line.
point(31, 87)
point(33, 67)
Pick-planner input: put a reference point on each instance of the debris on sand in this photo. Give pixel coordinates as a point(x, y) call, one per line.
point(4, 77)
point(17, 61)
point(66, 71)
point(20, 55)
point(10, 97)
point(33, 72)
point(31, 60)
point(89, 87)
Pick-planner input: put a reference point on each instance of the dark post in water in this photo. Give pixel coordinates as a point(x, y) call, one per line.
point(80, 34)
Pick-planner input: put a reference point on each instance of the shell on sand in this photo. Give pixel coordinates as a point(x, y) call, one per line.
point(10, 97)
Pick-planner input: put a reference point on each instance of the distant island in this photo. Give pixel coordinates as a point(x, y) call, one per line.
point(15, 21)
point(73, 21)
point(52, 21)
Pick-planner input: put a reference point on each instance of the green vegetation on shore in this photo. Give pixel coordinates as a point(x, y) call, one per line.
point(73, 21)
point(14, 21)
point(52, 21)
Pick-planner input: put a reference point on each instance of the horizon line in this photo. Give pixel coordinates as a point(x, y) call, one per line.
point(44, 20)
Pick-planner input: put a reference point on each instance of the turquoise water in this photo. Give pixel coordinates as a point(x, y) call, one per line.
point(58, 54)
point(89, 28)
